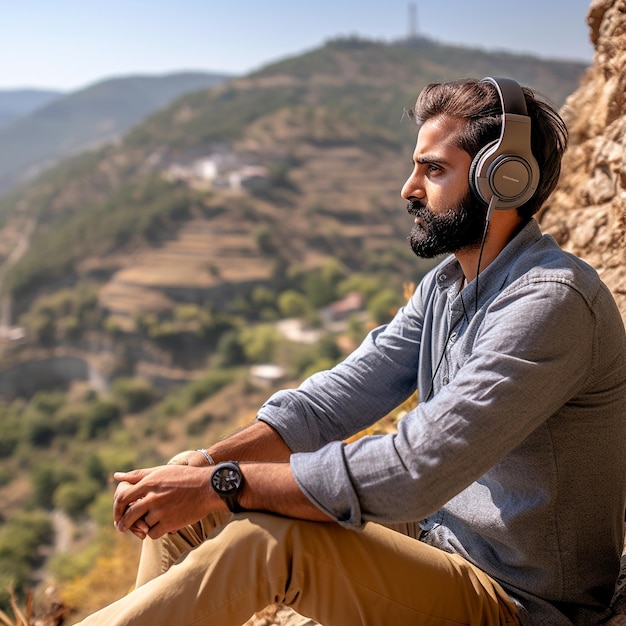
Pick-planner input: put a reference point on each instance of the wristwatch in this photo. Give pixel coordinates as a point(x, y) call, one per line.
point(227, 482)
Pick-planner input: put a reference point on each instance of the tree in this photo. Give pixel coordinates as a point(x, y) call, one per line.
point(292, 303)
point(133, 394)
point(260, 343)
point(74, 497)
point(383, 306)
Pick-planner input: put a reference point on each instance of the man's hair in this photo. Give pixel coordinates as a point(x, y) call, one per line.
point(479, 104)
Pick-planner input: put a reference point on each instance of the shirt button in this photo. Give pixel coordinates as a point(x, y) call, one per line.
point(446, 380)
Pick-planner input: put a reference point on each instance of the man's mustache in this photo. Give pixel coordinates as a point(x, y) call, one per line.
point(416, 207)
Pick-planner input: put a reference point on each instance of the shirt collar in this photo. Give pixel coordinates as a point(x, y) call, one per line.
point(494, 276)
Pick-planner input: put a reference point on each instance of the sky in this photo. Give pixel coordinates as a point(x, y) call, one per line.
point(69, 44)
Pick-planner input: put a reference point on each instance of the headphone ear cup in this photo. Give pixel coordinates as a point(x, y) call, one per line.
point(508, 177)
point(474, 171)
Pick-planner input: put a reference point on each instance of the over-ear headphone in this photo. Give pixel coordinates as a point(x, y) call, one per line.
point(504, 174)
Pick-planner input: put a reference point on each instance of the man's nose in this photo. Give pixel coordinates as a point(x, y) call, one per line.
point(412, 189)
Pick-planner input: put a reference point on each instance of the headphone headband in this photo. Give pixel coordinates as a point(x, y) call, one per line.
point(511, 95)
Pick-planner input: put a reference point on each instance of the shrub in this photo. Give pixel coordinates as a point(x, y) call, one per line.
point(101, 509)
point(133, 394)
point(383, 306)
point(259, 343)
point(74, 497)
point(102, 414)
point(96, 470)
point(230, 350)
point(20, 541)
point(181, 401)
point(207, 385)
point(45, 478)
point(47, 402)
point(38, 428)
point(10, 430)
point(198, 426)
point(69, 418)
point(292, 303)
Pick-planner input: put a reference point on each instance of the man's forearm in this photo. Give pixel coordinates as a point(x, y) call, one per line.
point(258, 442)
point(269, 482)
point(271, 487)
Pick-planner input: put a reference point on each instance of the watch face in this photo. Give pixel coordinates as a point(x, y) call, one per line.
point(226, 478)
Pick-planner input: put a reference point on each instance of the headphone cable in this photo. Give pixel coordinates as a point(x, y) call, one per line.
point(480, 256)
point(492, 204)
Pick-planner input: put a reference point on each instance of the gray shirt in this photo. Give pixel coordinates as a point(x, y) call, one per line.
point(514, 458)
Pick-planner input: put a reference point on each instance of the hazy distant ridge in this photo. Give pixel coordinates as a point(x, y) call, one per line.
point(64, 125)
point(15, 103)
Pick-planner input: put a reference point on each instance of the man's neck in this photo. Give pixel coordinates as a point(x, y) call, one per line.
point(503, 227)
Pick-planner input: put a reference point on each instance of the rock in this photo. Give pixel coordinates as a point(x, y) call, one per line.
point(587, 211)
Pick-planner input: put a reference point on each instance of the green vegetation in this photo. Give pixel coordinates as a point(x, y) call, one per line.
point(68, 449)
point(91, 116)
point(20, 540)
point(63, 314)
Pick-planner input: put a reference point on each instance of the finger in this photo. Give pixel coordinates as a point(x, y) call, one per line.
point(140, 528)
point(129, 489)
point(134, 512)
point(138, 533)
point(141, 525)
point(125, 495)
point(156, 531)
point(134, 476)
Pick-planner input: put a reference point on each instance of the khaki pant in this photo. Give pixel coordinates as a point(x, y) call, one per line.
point(338, 577)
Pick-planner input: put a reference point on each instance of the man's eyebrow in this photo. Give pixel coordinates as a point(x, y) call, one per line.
point(430, 158)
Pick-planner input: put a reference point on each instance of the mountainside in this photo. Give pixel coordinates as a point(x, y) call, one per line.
point(15, 103)
point(85, 119)
point(260, 182)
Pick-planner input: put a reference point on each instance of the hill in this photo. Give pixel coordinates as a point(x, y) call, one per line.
point(263, 182)
point(325, 134)
point(65, 125)
point(15, 103)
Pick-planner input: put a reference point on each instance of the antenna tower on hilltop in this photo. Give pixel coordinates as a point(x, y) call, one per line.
point(412, 21)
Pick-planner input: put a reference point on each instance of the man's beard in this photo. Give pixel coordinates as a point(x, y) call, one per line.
point(461, 226)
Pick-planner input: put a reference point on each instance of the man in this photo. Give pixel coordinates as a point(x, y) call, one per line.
point(512, 463)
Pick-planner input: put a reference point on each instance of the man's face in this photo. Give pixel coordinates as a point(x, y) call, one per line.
point(447, 216)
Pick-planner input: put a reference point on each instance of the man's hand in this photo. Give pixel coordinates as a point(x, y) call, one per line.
point(159, 500)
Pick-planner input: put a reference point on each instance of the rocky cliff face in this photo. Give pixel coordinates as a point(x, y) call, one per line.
point(587, 213)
